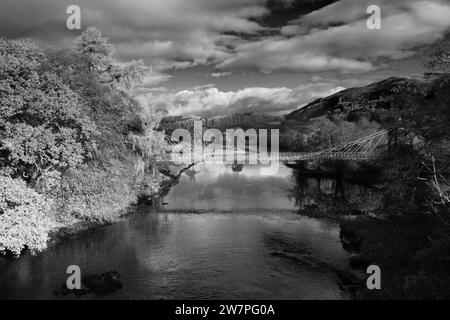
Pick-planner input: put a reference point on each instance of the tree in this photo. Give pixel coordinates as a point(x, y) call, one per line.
point(42, 125)
point(24, 221)
point(323, 133)
point(67, 125)
point(439, 59)
point(97, 53)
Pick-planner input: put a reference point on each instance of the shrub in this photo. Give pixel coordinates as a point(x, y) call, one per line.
point(91, 193)
point(24, 217)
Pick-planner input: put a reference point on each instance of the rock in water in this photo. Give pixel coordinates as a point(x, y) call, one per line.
point(350, 238)
point(104, 283)
point(64, 291)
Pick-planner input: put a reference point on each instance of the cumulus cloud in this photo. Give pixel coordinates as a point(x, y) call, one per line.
point(336, 38)
point(209, 100)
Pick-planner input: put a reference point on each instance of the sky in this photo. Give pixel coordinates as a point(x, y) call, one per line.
point(211, 57)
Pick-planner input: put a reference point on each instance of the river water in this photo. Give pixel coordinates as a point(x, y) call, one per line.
point(221, 235)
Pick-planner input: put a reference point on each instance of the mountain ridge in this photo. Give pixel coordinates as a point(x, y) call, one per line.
point(388, 94)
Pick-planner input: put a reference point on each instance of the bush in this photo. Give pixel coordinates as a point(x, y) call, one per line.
point(94, 194)
point(24, 217)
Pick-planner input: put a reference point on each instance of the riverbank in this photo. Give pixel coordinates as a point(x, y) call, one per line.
point(144, 201)
point(367, 239)
point(73, 229)
point(405, 247)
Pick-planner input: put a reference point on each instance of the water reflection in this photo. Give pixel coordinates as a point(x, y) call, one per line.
point(327, 192)
point(221, 187)
point(248, 243)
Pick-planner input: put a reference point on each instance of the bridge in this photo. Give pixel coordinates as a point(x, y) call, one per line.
point(366, 148)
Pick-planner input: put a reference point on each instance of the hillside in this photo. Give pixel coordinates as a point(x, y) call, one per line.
point(390, 95)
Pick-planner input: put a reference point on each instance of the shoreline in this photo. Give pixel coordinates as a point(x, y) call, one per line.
point(141, 202)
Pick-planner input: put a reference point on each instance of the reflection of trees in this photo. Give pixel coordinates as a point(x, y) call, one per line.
point(326, 191)
point(191, 174)
point(312, 192)
point(236, 167)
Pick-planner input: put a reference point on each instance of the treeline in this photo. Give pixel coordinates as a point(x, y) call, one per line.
point(175, 122)
point(74, 145)
point(324, 133)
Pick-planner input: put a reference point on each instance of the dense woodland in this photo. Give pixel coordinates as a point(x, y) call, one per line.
point(74, 145)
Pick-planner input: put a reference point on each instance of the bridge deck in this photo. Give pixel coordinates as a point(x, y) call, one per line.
point(282, 156)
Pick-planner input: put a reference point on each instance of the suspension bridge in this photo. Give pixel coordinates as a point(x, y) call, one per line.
point(366, 148)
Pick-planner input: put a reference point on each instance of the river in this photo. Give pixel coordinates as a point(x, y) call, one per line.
point(221, 235)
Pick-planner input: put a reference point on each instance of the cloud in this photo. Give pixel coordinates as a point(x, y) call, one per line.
point(209, 100)
point(220, 74)
point(234, 35)
point(150, 81)
point(164, 33)
point(336, 38)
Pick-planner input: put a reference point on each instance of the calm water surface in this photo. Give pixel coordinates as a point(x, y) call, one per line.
point(221, 235)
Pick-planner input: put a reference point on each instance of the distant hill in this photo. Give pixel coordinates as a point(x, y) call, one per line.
point(392, 93)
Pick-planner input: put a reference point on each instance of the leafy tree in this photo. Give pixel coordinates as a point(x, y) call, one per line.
point(97, 53)
point(42, 126)
point(24, 221)
point(67, 128)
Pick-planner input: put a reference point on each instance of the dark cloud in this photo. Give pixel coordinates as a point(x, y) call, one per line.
point(282, 12)
point(345, 44)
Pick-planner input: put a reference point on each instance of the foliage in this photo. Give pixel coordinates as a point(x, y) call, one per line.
point(416, 185)
point(90, 193)
point(95, 50)
point(24, 217)
point(410, 237)
point(67, 123)
point(42, 126)
point(149, 144)
point(323, 133)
